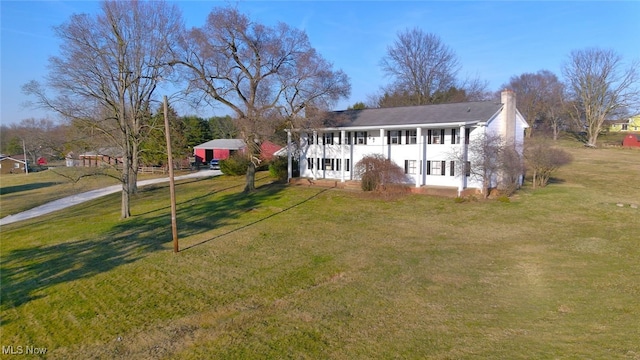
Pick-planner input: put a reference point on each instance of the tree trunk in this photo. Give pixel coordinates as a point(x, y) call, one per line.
point(125, 210)
point(250, 185)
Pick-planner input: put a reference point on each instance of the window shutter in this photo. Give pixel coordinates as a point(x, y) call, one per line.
point(428, 167)
point(441, 136)
point(467, 134)
point(443, 166)
point(406, 137)
point(388, 137)
point(453, 136)
point(340, 138)
point(331, 138)
point(452, 168)
point(406, 166)
point(347, 165)
point(429, 136)
point(366, 135)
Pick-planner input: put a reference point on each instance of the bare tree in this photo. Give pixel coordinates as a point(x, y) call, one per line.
point(492, 162)
point(601, 87)
point(261, 73)
point(108, 71)
point(420, 65)
point(539, 95)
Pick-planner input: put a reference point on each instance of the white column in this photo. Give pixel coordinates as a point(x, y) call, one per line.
point(382, 142)
point(342, 160)
point(420, 145)
point(464, 157)
point(289, 162)
point(315, 152)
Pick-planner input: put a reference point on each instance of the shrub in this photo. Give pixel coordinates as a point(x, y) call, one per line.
point(234, 165)
point(543, 159)
point(278, 168)
point(376, 173)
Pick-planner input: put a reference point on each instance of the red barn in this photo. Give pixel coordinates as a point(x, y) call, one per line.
point(631, 140)
point(223, 148)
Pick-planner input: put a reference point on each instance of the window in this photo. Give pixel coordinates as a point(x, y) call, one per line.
point(467, 168)
point(412, 137)
point(436, 167)
point(328, 164)
point(625, 127)
point(393, 137)
point(410, 166)
point(435, 136)
point(338, 163)
point(310, 163)
point(361, 138)
point(327, 138)
point(347, 139)
point(310, 139)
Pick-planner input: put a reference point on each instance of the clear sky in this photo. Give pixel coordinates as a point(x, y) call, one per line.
point(493, 40)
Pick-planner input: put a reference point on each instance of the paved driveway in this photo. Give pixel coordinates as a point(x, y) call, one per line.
point(93, 194)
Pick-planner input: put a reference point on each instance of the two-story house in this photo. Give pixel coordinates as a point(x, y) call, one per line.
point(420, 139)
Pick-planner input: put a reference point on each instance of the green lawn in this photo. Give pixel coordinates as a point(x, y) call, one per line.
point(312, 273)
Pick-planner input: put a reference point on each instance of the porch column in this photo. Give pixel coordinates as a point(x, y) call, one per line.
point(289, 162)
point(464, 157)
point(420, 145)
point(315, 152)
point(342, 161)
point(382, 143)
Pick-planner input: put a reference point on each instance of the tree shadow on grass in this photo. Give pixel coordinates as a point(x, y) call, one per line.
point(28, 273)
point(26, 187)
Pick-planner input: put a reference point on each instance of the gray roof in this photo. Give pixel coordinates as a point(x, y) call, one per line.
point(466, 112)
point(231, 144)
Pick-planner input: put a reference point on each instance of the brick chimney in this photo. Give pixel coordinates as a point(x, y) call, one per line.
point(508, 126)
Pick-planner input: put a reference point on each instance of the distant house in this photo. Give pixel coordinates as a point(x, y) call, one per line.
point(12, 164)
point(223, 148)
point(631, 140)
point(631, 124)
point(419, 139)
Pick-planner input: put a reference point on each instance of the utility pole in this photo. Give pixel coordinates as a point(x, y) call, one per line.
point(26, 163)
point(172, 186)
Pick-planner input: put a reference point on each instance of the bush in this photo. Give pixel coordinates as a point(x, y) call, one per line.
point(235, 165)
point(376, 173)
point(278, 168)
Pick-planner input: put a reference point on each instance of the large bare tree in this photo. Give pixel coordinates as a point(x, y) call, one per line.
point(420, 66)
point(108, 71)
point(539, 95)
point(601, 86)
point(264, 74)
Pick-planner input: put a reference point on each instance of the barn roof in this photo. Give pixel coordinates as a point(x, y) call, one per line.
point(231, 144)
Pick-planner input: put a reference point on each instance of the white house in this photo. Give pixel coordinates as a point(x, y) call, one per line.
point(420, 139)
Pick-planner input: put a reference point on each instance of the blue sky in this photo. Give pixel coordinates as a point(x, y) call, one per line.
point(493, 40)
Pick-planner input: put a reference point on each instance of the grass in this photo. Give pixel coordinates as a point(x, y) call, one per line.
point(300, 272)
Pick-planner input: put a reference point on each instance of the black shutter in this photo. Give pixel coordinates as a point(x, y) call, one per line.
point(453, 136)
point(388, 137)
point(366, 135)
point(347, 165)
point(340, 138)
point(428, 167)
point(452, 168)
point(443, 166)
point(467, 135)
point(429, 136)
point(406, 166)
point(441, 136)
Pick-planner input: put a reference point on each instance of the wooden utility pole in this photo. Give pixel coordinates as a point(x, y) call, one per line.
point(172, 185)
